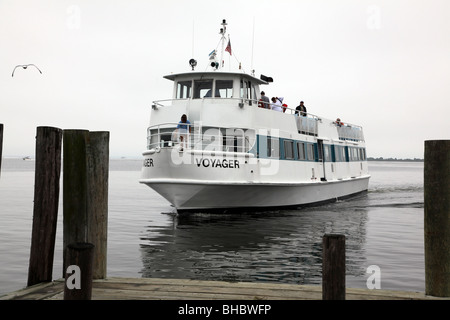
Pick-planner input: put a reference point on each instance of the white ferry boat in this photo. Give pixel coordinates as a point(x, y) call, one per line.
point(237, 153)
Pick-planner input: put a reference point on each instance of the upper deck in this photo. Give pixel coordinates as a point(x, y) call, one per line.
point(232, 100)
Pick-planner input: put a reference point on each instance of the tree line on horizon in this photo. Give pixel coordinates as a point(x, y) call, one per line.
point(394, 159)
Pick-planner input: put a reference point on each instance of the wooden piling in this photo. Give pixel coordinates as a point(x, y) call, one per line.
point(98, 172)
point(74, 188)
point(86, 170)
point(437, 217)
point(333, 267)
point(46, 199)
point(78, 277)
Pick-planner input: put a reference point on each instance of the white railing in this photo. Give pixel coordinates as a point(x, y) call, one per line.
point(197, 138)
point(350, 132)
point(307, 124)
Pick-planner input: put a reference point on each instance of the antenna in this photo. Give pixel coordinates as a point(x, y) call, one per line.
point(253, 45)
point(193, 32)
point(192, 61)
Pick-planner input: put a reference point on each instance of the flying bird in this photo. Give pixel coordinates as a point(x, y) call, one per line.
point(24, 66)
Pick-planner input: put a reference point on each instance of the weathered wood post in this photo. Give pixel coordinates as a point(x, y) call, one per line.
point(1, 145)
point(74, 189)
point(333, 267)
point(46, 199)
point(86, 170)
point(437, 217)
point(78, 277)
point(98, 173)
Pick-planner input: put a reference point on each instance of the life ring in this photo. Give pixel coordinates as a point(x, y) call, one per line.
point(260, 104)
point(284, 105)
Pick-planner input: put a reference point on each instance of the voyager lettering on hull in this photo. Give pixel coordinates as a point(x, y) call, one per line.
point(148, 162)
point(217, 163)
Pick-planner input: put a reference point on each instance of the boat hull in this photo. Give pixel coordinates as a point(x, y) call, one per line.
point(201, 197)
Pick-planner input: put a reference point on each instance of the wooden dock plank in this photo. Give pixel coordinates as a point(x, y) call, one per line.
point(205, 292)
point(181, 289)
point(40, 291)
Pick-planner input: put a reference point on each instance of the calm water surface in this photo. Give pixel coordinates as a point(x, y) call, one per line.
point(383, 227)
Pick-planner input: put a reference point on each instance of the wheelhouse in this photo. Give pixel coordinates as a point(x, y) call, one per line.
point(215, 85)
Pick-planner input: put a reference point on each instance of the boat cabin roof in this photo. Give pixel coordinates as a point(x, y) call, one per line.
point(214, 74)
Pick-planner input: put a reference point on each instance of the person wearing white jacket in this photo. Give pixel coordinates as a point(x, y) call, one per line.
point(276, 103)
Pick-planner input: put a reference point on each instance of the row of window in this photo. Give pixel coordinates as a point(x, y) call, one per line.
point(199, 89)
point(300, 150)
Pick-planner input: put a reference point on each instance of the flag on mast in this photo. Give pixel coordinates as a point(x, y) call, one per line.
point(228, 48)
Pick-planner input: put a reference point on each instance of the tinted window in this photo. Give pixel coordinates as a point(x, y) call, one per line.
point(202, 89)
point(184, 89)
point(289, 149)
point(301, 151)
point(224, 88)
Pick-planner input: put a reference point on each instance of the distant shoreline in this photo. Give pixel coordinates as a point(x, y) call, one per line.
point(394, 159)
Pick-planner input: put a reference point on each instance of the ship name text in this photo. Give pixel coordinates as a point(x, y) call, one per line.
point(217, 163)
point(148, 162)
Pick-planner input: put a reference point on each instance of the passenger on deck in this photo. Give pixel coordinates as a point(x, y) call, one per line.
point(301, 109)
point(339, 123)
point(283, 105)
point(184, 128)
point(276, 104)
point(265, 100)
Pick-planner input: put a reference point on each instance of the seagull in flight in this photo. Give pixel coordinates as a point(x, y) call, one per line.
point(24, 66)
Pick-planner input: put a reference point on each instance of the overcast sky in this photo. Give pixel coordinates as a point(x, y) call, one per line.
point(384, 65)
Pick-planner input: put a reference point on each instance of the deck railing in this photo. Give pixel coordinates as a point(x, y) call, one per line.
point(197, 138)
point(306, 124)
point(350, 132)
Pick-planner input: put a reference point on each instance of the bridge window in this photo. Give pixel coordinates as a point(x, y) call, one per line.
point(248, 90)
point(184, 89)
point(224, 88)
point(202, 89)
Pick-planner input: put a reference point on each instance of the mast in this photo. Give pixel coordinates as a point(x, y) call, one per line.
point(223, 32)
point(214, 55)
